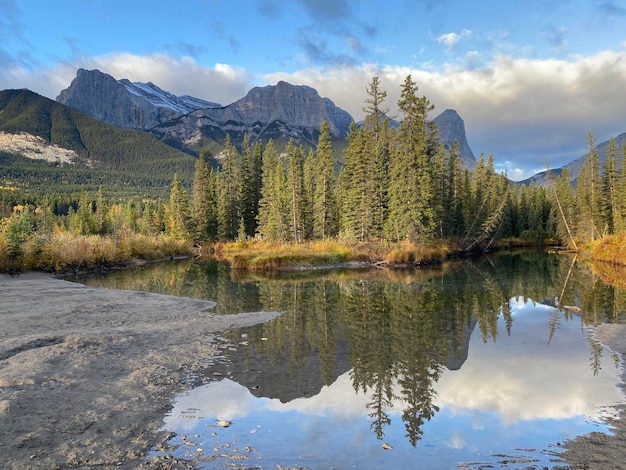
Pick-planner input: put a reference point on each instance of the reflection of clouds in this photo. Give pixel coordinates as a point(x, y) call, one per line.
point(519, 377)
point(525, 377)
point(223, 400)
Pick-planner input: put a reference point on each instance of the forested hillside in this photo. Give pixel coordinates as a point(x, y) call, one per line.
point(128, 163)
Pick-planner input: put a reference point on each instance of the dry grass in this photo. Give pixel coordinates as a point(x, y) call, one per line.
point(611, 249)
point(264, 256)
point(63, 250)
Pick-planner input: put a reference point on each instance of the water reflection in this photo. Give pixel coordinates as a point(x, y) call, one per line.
point(508, 402)
point(461, 363)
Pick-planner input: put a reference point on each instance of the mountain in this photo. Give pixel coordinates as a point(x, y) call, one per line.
point(280, 112)
point(44, 144)
point(575, 166)
point(452, 128)
point(124, 104)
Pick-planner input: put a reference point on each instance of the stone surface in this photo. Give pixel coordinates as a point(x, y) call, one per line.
point(124, 104)
point(451, 127)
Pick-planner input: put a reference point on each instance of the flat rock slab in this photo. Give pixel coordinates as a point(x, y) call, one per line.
point(87, 374)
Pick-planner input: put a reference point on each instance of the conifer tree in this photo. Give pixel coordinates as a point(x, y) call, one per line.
point(273, 210)
point(588, 200)
point(563, 213)
point(229, 184)
point(411, 190)
point(177, 212)
point(611, 189)
point(357, 216)
point(204, 201)
point(295, 188)
point(309, 175)
point(324, 207)
point(250, 185)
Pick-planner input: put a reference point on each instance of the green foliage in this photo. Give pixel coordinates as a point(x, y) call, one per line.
point(128, 163)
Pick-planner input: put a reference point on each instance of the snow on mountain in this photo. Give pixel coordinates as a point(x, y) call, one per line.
point(164, 99)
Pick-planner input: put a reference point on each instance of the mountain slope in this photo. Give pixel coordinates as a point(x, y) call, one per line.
point(131, 161)
point(574, 166)
point(279, 112)
point(452, 128)
point(124, 104)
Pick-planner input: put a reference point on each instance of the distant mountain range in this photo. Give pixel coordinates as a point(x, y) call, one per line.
point(280, 112)
point(575, 166)
point(133, 122)
point(139, 106)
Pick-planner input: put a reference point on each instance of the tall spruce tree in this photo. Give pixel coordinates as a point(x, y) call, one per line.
point(324, 206)
point(204, 199)
point(177, 211)
point(611, 190)
point(229, 191)
point(411, 191)
point(296, 194)
point(273, 210)
point(250, 185)
point(588, 195)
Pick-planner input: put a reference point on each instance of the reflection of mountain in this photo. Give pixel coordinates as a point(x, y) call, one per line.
point(280, 379)
point(285, 381)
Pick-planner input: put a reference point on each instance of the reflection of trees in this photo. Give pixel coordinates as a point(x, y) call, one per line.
point(401, 327)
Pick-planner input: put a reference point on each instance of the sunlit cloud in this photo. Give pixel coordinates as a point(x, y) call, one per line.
point(450, 40)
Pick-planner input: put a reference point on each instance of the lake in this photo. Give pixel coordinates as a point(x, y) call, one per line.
point(477, 363)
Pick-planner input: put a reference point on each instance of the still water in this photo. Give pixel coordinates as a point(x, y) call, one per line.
point(474, 364)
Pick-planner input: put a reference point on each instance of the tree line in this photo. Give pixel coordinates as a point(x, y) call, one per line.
point(393, 183)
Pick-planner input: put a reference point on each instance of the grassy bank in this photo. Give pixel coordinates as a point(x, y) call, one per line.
point(263, 256)
point(62, 251)
point(611, 249)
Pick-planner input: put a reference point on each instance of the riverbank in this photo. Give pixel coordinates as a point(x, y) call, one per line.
point(87, 375)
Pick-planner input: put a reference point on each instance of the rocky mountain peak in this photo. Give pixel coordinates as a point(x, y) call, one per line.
point(451, 127)
point(126, 104)
point(297, 105)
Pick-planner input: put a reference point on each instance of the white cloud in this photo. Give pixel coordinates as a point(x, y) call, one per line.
point(221, 83)
point(450, 40)
point(525, 111)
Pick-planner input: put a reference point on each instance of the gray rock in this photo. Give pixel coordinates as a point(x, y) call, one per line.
point(451, 127)
point(124, 104)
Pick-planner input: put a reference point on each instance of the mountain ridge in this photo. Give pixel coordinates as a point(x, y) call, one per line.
point(279, 112)
point(96, 153)
point(575, 166)
point(123, 103)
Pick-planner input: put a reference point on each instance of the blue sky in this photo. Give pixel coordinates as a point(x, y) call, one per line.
point(530, 78)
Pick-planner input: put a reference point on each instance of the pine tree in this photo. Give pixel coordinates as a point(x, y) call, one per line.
point(250, 185)
point(229, 191)
point(588, 199)
point(563, 213)
point(295, 188)
point(411, 189)
point(273, 210)
point(324, 207)
point(611, 182)
point(177, 212)
point(204, 201)
point(357, 214)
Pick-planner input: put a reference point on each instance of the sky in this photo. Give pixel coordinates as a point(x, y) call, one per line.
point(530, 78)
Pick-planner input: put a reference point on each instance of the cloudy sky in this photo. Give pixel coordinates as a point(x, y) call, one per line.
point(530, 78)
